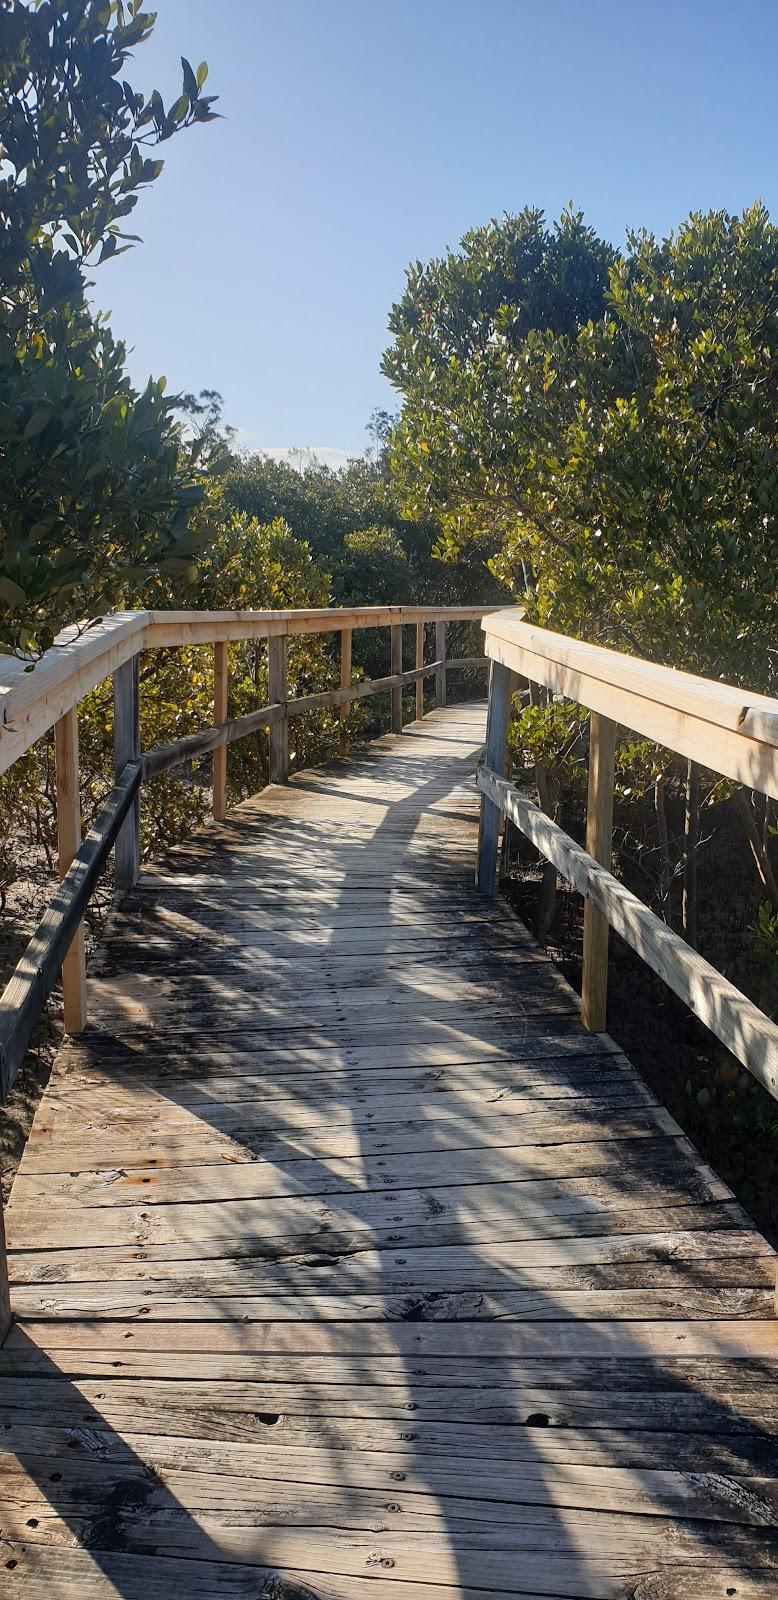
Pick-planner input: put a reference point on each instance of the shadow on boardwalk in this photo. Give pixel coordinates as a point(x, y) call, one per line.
point(347, 1346)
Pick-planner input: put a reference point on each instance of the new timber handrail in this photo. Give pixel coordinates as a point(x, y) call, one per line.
point(726, 729)
point(34, 701)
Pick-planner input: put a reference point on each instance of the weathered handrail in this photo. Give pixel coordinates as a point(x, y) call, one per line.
point(36, 973)
point(34, 701)
point(724, 728)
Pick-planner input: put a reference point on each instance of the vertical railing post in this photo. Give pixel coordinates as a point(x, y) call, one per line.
point(345, 683)
point(599, 838)
point(440, 655)
point(68, 842)
point(220, 690)
point(277, 670)
point(126, 747)
point(419, 663)
point(5, 1295)
point(397, 666)
point(501, 685)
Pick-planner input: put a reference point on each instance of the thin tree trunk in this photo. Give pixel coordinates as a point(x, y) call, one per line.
point(664, 845)
point(691, 842)
point(757, 839)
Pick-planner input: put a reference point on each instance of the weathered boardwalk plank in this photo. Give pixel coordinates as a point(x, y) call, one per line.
point(346, 1265)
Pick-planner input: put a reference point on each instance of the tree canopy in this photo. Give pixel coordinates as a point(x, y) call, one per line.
point(602, 427)
point(95, 486)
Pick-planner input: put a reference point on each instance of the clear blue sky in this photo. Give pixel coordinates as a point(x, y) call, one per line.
point(362, 134)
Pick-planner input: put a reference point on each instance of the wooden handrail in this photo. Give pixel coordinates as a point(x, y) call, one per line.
point(724, 728)
point(34, 700)
point(745, 1030)
point(164, 757)
point(36, 973)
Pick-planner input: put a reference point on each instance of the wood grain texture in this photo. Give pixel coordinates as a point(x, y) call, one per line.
point(126, 749)
point(746, 1031)
point(220, 695)
point(68, 842)
point(599, 843)
point(346, 1264)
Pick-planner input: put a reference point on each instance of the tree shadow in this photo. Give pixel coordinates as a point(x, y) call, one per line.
point(349, 1340)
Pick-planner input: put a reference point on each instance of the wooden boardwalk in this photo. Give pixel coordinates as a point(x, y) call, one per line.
point(347, 1265)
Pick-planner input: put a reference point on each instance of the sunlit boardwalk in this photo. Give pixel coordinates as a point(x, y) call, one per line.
point(347, 1266)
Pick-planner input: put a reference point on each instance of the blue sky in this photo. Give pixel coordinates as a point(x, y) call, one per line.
point(362, 134)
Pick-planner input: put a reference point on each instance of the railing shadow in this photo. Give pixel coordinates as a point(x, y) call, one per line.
point(455, 1416)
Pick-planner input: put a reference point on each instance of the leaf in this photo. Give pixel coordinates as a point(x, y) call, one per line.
point(201, 74)
point(38, 421)
point(191, 85)
point(11, 593)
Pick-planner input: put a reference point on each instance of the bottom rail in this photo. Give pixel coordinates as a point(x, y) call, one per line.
point(193, 745)
point(36, 973)
point(734, 1019)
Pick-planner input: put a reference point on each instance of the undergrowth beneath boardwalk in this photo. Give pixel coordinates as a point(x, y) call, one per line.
point(732, 1120)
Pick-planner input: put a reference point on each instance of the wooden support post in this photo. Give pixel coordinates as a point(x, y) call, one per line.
point(599, 837)
point(419, 663)
point(440, 655)
point(397, 666)
point(5, 1296)
point(126, 747)
point(220, 687)
point(68, 842)
point(278, 658)
point(345, 682)
point(501, 686)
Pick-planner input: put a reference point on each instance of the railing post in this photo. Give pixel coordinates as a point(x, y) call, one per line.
point(220, 688)
point(501, 685)
point(277, 665)
point(440, 655)
point(68, 842)
point(345, 682)
point(397, 666)
point(5, 1294)
point(599, 837)
point(126, 747)
point(419, 663)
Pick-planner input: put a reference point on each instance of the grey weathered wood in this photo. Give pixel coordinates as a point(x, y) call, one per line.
point(419, 662)
point(220, 693)
point(36, 973)
point(289, 1282)
point(68, 841)
point(745, 1030)
point(5, 1297)
point(345, 683)
point(599, 838)
point(440, 658)
point(194, 745)
point(277, 689)
point(501, 683)
point(126, 748)
point(397, 667)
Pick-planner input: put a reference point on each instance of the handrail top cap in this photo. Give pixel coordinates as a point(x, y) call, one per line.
point(725, 705)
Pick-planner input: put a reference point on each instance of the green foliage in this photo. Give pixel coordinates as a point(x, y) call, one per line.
point(616, 451)
point(355, 523)
point(551, 735)
point(765, 935)
point(249, 566)
point(95, 487)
